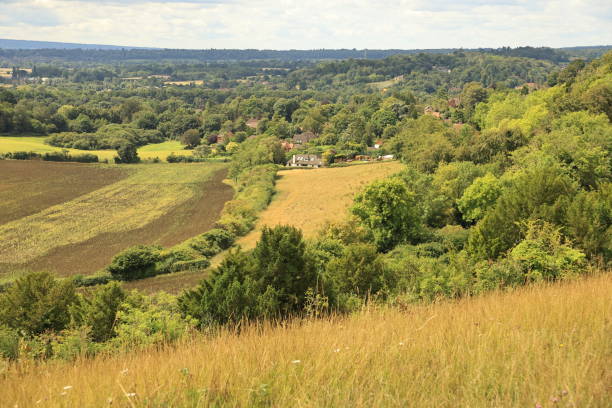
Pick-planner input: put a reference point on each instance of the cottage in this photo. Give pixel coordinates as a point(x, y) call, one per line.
point(304, 138)
point(252, 123)
point(305, 160)
point(378, 143)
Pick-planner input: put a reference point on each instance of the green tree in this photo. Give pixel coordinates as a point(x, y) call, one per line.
point(390, 212)
point(37, 303)
point(127, 152)
point(359, 270)
point(479, 197)
point(98, 311)
point(191, 138)
point(539, 192)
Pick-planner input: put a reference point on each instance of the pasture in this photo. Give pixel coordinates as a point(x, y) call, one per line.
point(37, 144)
point(538, 346)
point(141, 204)
point(309, 198)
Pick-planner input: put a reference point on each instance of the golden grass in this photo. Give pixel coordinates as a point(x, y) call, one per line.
point(308, 198)
point(516, 349)
point(37, 144)
point(147, 194)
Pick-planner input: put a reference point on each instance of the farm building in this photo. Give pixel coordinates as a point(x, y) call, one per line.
point(304, 138)
point(305, 160)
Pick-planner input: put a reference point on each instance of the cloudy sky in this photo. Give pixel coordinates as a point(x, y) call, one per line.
point(308, 24)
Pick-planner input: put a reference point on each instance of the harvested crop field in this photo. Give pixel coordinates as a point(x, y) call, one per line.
point(155, 204)
point(27, 187)
point(308, 198)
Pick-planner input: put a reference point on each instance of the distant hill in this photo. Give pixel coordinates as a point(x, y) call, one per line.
point(37, 45)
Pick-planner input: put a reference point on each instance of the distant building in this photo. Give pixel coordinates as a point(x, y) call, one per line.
point(305, 160)
point(304, 138)
point(378, 143)
point(252, 123)
point(223, 138)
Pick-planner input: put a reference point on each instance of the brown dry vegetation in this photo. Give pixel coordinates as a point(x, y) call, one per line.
point(308, 198)
point(547, 345)
point(157, 204)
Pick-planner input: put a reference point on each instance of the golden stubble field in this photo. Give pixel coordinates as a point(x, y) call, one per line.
point(539, 346)
point(308, 198)
point(153, 203)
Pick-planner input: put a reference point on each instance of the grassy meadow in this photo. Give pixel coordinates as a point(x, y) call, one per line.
point(308, 198)
point(546, 345)
point(37, 144)
point(154, 203)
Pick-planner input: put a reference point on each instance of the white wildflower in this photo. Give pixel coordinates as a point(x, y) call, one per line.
point(296, 361)
point(68, 387)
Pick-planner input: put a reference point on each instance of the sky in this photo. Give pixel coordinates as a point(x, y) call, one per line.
point(311, 24)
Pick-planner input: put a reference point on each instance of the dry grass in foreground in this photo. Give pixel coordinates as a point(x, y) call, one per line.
point(539, 346)
point(308, 198)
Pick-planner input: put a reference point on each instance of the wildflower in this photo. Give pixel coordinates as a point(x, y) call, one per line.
point(554, 400)
point(130, 394)
point(124, 371)
point(538, 405)
point(401, 343)
point(337, 350)
point(296, 361)
point(564, 392)
point(68, 387)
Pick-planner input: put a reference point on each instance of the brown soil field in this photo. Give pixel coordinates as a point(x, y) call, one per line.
point(27, 187)
point(191, 218)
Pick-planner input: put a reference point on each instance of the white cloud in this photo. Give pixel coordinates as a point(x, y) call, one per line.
point(283, 24)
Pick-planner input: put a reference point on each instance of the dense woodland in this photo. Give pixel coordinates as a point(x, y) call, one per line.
point(507, 182)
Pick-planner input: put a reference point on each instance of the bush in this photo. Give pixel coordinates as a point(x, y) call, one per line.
point(9, 343)
point(359, 271)
point(98, 311)
point(144, 321)
point(135, 263)
point(544, 255)
point(37, 303)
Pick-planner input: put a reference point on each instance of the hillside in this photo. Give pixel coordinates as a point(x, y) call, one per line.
point(160, 204)
point(543, 346)
point(37, 45)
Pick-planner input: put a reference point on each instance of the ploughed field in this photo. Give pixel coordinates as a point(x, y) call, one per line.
point(72, 218)
point(309, 198)
point(538, 346)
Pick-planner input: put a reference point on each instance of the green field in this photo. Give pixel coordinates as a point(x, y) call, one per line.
point(152, 203)
point(37, 144)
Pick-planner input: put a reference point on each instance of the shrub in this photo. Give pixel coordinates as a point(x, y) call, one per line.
point(37, 303)
point(143, 321)
point(98, 311)
point(9, 343)
point(543, 254)
point(135, 263)
point(359, 271)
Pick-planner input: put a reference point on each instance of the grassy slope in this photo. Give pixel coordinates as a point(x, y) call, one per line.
point(36, 144)
point(307, 198)
point(502, 350)
point(148, 194)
